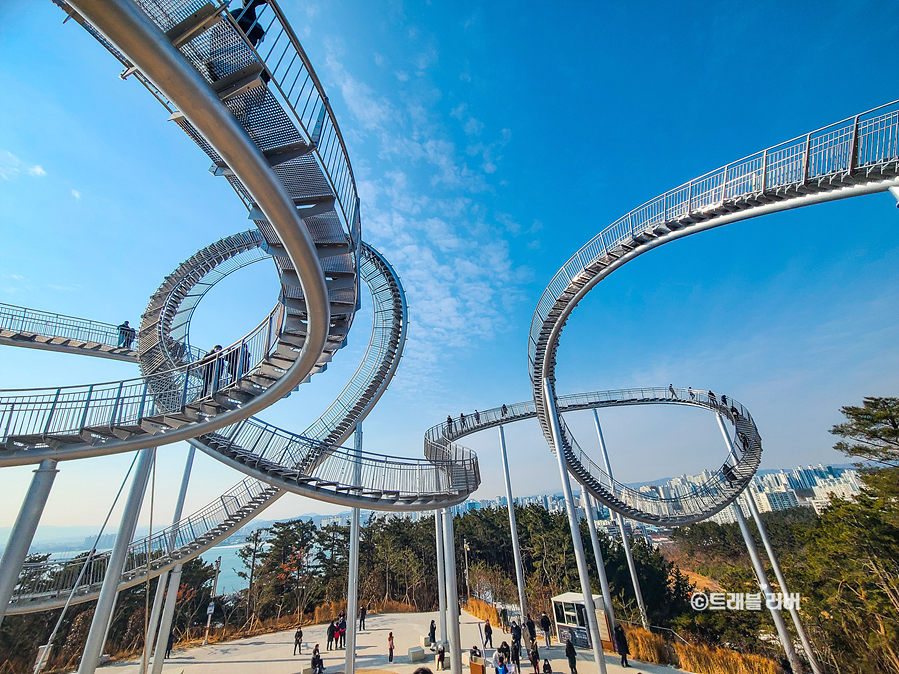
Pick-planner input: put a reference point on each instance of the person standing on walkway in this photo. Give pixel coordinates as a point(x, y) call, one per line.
point(534, 657)
point(545, 625)
point(331, 630)
point(441, 658)
point(571, 654)
point(298, 641)
point(621, 645)
point(432, 633)
point(362, 613)
point(390, 647)
point(488, 634)
point(531, 627)
point(342, 631)
point(515, 630)
point(504, 619)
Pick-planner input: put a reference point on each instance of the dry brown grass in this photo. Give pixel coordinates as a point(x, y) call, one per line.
point(648, 647)
point(708, 660)
point(481, 609)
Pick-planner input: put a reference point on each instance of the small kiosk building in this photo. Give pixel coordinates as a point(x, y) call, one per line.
point(570, 612)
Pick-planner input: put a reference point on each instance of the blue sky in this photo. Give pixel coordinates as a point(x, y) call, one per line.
point(489, 142)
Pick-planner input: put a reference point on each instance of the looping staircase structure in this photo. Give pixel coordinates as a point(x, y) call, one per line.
point(650, 505)
point(259, 112)
point(854, 157)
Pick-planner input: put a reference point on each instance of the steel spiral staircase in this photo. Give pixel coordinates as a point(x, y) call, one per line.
point(854, 157)
point(208, 398)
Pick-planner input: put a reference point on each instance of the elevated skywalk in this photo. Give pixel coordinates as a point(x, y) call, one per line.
point(854, 157)
point(719, 489)
point(56, 332)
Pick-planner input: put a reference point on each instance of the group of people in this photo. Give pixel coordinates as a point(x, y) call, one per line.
point(507, 659)
point(216, 370)
point(337, 632)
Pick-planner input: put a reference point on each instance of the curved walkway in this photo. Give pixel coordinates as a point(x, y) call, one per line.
point(854, 157)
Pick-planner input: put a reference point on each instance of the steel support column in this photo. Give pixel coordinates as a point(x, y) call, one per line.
point(23, 530)
point(587, 503)
point(165, 626)
point(625, 541)
point(759, 568)
point(516, 550)
point(352, 596)
point(441, 574)
point(775, 566)
point(452, 595)
point(162, 580)
point(96, 637)
point(580, 557)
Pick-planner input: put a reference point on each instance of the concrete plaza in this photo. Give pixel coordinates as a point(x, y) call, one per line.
point(272, 653)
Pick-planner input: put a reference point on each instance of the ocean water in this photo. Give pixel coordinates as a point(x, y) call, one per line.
point(229, 581)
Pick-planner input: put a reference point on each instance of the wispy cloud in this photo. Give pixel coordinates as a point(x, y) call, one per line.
point(11, 167)
point(76, 194)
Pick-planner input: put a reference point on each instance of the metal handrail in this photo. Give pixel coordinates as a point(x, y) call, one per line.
point(858, 142)
point(69, 410)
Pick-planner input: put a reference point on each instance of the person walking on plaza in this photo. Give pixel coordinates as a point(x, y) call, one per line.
point(488, 634)
point(362, 613)
point(390, 647)
point(432, 633)
point(342, 632)
point(298, 641)
point(545, 625)
point(516, 654)
point(534, 657)
point(621, 645)
point(531, 628)
point(515, 630)
point(331, 630)
point(571, 654)
point(317, 665)
point(504, 619)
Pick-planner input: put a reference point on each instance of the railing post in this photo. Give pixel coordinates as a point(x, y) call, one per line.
point(87, 406)
point(52, 409)
point(764, 170)
point(115, 405)
point(807, 158)
point(12, 411)
point(143, 400)
point(853, 145)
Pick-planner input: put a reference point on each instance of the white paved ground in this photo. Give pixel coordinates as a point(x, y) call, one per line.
point(272, 653)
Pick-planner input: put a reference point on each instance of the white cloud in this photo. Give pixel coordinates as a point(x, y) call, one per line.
point(380, 60)
point(11, 167)
point(465, 77)
point(76, 194)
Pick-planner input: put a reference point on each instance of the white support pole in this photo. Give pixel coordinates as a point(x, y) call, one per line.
point(625, 541)
point(162, 579)
point(556, 431)
point(22, 532)
point(165, 626)
point(96, 637)
point(452, 595)
point(759, 568)
point(516, 550)
point(174, 578)
point(775, 566)
point(441, 574)
point(352, 596)
point(587, 503)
